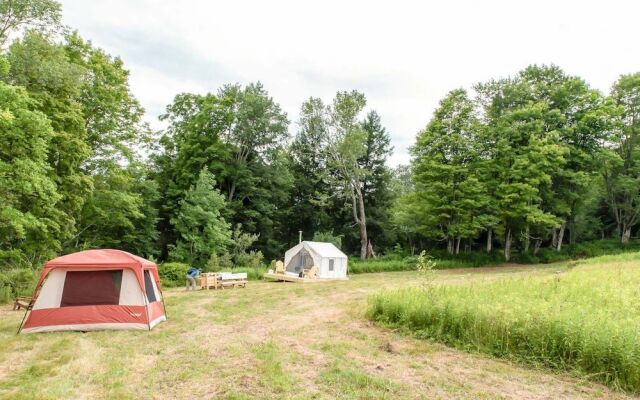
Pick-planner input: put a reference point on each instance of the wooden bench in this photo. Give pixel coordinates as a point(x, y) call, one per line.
point(25, 302)
point(221, 280)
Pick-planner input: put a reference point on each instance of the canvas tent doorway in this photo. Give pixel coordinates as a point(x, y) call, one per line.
point(96, 290)
point(331, 262)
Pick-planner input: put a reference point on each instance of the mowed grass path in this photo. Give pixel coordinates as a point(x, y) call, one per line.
point(272, 341)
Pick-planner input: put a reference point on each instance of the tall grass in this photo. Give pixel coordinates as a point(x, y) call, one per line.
point(392, 264)
point(253, 274)
point(585, 320)
point(472, 259)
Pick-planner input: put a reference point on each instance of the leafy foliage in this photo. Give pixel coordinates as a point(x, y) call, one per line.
point(202, 229)
point(173, 274)
point(533, 163)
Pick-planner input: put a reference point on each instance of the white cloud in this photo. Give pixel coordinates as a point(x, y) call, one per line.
point(404, 55)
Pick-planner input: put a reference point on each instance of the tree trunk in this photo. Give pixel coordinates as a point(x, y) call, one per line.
point(554, 238)
point(561, 236)
point(626, 235)
point(489, 240)
point(458, 245)
point(232, 190)
point(370, 252)
point(526, 239)
point(362, 220)
point(449, 245)
point(536, 246)
point(572, 231)
point(507, 245)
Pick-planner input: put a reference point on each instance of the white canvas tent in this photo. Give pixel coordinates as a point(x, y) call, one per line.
point(330, 261)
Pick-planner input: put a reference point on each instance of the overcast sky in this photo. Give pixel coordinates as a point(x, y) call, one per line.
point(405, 56)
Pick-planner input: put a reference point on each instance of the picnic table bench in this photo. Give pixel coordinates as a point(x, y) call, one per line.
point(222, 280)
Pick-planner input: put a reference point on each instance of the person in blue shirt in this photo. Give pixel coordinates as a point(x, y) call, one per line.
point(191, 277)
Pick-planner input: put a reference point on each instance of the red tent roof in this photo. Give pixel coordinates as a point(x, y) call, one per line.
point(107, 257)
point(102, 259)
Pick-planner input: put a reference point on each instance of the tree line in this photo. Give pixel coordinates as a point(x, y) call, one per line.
point(528, 160)
point(534, 160)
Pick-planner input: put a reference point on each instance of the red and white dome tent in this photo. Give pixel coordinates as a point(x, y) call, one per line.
point(96, 290)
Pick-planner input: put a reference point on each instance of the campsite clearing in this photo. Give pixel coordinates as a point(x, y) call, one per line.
point(272, 340)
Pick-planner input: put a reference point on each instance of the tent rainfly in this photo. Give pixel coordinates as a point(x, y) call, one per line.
point(96, 290)
point(330, 261)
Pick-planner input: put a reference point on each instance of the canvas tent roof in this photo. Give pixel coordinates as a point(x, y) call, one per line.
point(323, 249)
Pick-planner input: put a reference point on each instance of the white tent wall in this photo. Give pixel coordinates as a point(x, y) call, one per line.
point(130, 292)
point(339, 268)
point(322, 255)
point(50, 294)
point(51, 291)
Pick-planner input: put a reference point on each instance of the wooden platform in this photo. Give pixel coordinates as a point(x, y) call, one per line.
point(289, 278)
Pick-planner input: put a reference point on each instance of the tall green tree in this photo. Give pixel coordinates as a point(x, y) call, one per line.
point(54, 82)
point(120, 212)
point(112, 115)
point(30, 222)
point(377, 195)
point(255, 125)
point(239, 134)
point(448, 189)
point(524, 153)
point(581, 124)
point(346, 146)
point(311, 205)
point(115, 133)
point(202, 229)
point(620, 161)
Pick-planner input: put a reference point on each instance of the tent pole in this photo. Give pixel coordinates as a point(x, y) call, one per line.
point(146, 310)
point(164, 307)
point(36, 293)
point(22, 322)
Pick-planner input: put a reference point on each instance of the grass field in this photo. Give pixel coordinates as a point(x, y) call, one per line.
point(273, 341)
point(585, 318)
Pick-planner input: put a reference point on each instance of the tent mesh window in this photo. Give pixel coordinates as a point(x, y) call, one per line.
point(331, 264)
point(300, 261)
point(91, 288)
point(148, 287)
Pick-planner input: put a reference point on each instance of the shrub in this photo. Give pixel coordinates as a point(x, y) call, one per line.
point(252, 259)
point(253, 274)
point(17, 282)
point(225, 261)
point(328, 237)
point(173, 274)
point(213, 265)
